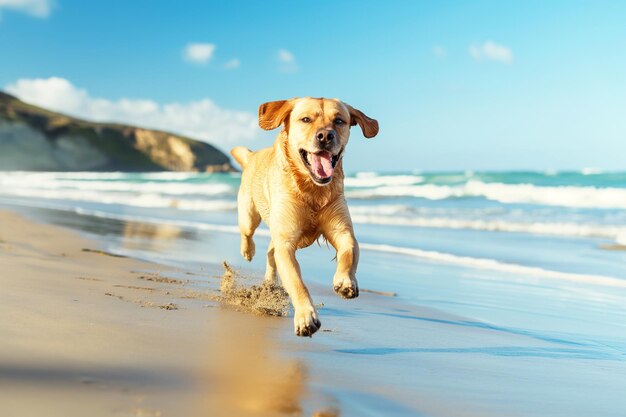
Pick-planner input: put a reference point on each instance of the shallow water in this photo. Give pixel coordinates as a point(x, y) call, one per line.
point(506, 305)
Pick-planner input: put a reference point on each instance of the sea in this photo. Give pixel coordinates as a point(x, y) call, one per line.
point(532, 253)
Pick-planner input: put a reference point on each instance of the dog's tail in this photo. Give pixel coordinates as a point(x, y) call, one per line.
point(241, 155)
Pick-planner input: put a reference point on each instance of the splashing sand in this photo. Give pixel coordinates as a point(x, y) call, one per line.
point(267, 299)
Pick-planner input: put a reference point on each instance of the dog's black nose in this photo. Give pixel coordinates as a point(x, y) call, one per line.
point(325, 136)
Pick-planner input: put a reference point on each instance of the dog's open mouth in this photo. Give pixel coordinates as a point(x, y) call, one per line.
point(321, 165)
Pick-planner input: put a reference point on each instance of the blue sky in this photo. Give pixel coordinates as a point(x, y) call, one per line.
point(454, 85)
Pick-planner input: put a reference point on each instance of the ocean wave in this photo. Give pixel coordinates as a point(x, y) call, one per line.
point(169, 176)
point(9, 184)
point(591, 171)
point(372, 180)
point(614, 232)
point(146, 200)
point(491, 219)
point(563, 196)
point(442, 257)
point(381, 209)
point(367, 185)
point(113, 175)
point(86, 175)
point(413, 210)
point(494, 265)
point(428, 191)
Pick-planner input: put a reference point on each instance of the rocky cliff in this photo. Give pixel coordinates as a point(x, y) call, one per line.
point(32, 138)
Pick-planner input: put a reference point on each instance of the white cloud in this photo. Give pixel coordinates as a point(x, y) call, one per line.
point(439, 51)
point(491, 51)
point(286, 56)
point(287, 61)
point(232, 64)
point(199, 53)
point(37, 8)
point(202, 119)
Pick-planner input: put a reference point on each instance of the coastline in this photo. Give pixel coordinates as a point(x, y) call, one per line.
point(87, 333)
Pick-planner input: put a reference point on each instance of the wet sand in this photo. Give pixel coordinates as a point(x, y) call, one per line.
point(90, 333)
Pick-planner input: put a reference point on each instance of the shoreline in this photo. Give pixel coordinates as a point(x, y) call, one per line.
point(87, 333)
point(94, 333)
point(90, 334)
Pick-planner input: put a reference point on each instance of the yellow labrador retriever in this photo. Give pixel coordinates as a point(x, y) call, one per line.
point(296, 187)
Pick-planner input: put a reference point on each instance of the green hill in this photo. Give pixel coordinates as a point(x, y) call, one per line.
point(36, 139)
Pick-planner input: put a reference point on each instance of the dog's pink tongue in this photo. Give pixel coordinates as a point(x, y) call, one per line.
point(322, 164)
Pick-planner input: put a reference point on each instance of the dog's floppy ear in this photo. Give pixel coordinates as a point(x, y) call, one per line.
point(274, 113)
point(368, 125)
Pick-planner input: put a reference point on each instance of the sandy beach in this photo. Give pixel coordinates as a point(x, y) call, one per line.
point(89, 332)
point(452, 169)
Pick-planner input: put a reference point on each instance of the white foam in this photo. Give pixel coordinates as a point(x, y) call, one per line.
point(542, 228)
point(466, 261)
point(365, 185)
point(364, 179)
point(366, 174)
point(591, 171)
point(90, 175)
point(480, 219)
point(379, 209)
point(11, 183)
point(151, 200)
point(393, 209)
point(568, 196)
point(169, 176)
point(87, 175)
point(428, 191)
point(492, 264)
point(564, 196)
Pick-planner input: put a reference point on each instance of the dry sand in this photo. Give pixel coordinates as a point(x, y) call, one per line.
point(85, 333)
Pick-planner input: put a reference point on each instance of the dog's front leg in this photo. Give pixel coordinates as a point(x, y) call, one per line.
point(305, 317)
point(337, 229)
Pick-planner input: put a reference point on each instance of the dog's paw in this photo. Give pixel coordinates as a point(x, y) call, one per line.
point(305, 322)
point(346, 287)
point(247, 248)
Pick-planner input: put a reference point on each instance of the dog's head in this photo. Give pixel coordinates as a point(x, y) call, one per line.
point(317, 130)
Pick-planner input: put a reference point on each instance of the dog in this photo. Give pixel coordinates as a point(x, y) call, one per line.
point(296, 188)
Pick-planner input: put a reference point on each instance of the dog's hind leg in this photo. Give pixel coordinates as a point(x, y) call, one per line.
point(249, 219)
point(270, 270)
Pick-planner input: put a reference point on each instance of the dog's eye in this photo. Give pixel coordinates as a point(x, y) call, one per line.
point(339, 121)
point(306, 120)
